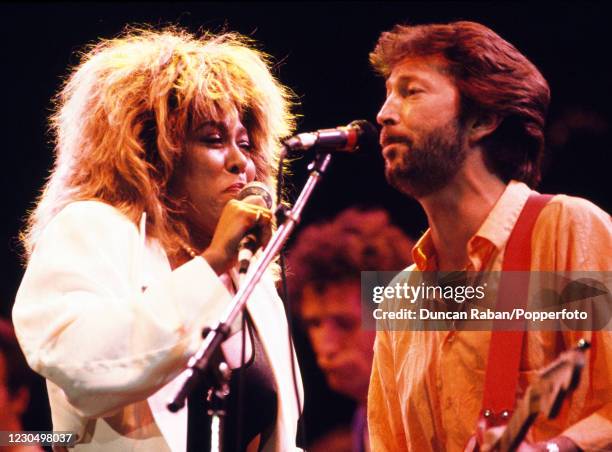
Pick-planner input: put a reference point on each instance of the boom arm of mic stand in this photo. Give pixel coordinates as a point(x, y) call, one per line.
point(200, 360)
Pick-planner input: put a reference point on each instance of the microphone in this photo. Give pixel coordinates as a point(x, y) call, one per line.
point(341, 139)
point(251, 241)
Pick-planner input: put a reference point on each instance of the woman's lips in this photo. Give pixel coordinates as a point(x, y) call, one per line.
point(234, 188)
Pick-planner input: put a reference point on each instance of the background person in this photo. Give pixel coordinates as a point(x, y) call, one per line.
point(16, 383)
point(327, 261)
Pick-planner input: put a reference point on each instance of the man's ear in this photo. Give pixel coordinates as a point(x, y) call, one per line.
point(481, 126)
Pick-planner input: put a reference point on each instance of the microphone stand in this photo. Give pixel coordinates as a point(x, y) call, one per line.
point(213, 337)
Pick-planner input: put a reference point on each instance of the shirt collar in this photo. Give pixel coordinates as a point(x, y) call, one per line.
point(424, 253)
point(495, 230)
point(501, 220)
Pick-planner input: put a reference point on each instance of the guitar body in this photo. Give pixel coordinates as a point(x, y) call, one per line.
point(485, 433)
point(543, 396)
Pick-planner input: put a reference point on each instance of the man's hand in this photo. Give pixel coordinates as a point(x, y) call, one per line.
point(557, 444)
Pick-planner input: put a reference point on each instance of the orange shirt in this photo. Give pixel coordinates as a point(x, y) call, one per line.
point(426, 387)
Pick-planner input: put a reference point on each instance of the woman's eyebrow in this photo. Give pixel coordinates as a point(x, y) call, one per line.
point(208, 124)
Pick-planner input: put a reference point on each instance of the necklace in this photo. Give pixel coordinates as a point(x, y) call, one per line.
point(189, 250)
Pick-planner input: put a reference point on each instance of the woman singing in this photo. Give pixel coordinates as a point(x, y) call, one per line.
point(132, 246)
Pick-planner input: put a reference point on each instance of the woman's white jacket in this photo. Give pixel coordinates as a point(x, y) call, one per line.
point(101, 315)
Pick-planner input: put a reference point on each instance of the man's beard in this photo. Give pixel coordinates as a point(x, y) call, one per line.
point(430, 165)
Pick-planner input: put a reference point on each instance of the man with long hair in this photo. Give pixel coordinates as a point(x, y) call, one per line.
point(133, 244)
point(463, 133)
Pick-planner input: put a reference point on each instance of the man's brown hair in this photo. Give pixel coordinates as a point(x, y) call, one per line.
point(493, 77)
point(340, 249)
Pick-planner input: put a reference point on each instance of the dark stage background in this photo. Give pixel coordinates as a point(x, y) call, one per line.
point(322, 53)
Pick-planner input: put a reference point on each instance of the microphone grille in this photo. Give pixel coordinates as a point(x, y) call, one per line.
point(256, 188)
point(368, 133)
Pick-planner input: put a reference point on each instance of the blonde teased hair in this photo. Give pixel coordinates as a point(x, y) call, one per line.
point(122, 116)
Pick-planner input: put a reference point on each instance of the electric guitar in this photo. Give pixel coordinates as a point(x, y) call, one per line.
point(543, 396)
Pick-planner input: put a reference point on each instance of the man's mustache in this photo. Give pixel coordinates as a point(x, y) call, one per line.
point(387, 139)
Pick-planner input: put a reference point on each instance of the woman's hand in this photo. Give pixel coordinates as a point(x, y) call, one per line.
point(237, 218)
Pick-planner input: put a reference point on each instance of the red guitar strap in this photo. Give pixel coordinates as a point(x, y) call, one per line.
point(507, 336)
